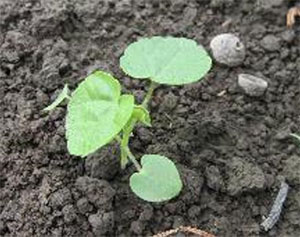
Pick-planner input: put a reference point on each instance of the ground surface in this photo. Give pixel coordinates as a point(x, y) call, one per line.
point(232, 150)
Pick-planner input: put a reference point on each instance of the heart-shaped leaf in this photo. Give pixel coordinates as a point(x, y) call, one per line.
point(166, 60)
point(96, 113)
point(157, 181)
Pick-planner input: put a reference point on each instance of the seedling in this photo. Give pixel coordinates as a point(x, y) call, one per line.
point(98, 113)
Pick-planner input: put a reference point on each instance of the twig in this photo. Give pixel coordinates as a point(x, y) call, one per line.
point(274, 215)
point(184, 229)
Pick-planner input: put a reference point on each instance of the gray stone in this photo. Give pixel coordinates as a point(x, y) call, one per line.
point(270, 43)
point(228, 49)
point(252, 85)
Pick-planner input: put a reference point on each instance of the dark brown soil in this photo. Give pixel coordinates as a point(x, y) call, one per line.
point(232, 150)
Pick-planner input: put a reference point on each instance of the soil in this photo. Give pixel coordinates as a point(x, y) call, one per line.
point(232, 150)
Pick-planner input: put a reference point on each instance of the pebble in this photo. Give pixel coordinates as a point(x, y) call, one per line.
point(228, 49)
point(270, 43)
point(252, 85)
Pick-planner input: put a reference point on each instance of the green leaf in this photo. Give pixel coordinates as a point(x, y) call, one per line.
point(142, 115)
point(64, 94)
point(157, 181)
point(166, 60)
point(96, 113)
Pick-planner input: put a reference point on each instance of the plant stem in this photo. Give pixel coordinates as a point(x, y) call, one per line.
point(149, 94)
point(125, 151)
point(130, 126)
point(133, 159)
point(129, 153)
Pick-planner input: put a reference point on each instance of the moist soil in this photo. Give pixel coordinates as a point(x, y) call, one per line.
point(232, 150)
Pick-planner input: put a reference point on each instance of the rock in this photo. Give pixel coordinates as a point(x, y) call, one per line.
point(244, 177)
point(98, 192)
point(228, 49)
point(252, 85)
point(214, 178)
point(291, 170)
point(270, 43)
point(102, 223)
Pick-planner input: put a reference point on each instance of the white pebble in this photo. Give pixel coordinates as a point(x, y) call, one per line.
point(252, 85)
point(228, 49)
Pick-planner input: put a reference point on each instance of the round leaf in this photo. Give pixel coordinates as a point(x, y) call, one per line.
point(157, 181)
point(168, 60)
point(96, 113)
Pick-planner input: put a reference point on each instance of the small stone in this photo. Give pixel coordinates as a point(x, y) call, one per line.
point(270, 43)
point(252, 85)
point(228, 49)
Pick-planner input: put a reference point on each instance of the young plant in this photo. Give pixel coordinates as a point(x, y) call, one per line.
point(98, 113)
